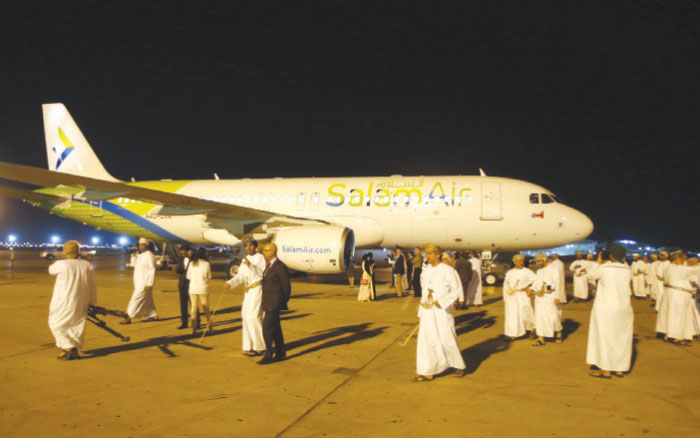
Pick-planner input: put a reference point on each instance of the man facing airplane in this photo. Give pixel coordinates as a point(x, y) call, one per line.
point(276, 290)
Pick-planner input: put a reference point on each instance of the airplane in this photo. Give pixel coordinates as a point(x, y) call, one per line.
point(316, 223)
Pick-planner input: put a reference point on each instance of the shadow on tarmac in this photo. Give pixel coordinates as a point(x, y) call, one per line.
point(467, 322)
point(163, 342)
point(634, 353)
point(358, 332)
point(568, 327)
point(478, 353)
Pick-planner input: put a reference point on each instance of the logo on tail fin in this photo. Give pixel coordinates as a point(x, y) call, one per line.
point(67, 148)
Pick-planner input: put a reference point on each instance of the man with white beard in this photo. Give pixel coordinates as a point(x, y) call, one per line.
point(676, 318)
point(141, 304)
point(474, 290)
point(437, 348)
point(652, 284)
point(73, 293)
point(547, 306)
point(659, 272)
point(611, 328)
point(579, 277)
point(561, 287)
point(250, 275)
point(638, 280)
point(519, 317)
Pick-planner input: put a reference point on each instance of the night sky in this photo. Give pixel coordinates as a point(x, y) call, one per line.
point(597, 101)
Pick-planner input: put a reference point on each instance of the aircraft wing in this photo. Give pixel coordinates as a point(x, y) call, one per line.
point(65, 186)
point(28, 195)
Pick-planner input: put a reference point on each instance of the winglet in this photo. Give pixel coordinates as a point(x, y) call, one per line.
point(66, 147)
point(481, 172)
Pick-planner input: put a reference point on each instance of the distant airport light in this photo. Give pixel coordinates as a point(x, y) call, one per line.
point(95, 240)
point(12, 238)
point(123, 241)
point(55, 239)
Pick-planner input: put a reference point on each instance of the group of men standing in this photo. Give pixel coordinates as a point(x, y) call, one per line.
point(466, 264)
point(265, 278)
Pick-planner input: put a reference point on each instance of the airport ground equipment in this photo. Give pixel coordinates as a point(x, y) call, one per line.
point(93, 311)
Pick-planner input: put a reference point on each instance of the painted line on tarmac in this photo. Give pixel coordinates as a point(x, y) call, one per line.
point(334, 390)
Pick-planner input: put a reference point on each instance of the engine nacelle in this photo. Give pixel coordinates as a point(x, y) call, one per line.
point(321, 249)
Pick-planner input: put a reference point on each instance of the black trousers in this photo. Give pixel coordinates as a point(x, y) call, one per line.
point(417, 291)
point(272, 333)
point(184, 301)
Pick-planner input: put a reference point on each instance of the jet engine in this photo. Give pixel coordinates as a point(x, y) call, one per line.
point(320, 249)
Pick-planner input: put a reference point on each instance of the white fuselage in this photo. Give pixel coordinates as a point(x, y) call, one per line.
point(454, 212)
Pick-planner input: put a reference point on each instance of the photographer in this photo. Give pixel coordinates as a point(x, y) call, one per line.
point(74, 291)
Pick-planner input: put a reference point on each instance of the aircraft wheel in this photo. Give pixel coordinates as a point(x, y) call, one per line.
point(490, 279)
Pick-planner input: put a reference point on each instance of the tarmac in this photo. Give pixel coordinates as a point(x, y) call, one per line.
point(346, 374)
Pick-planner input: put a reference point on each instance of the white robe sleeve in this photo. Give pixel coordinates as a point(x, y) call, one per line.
point(149, 269)
point(453, 292)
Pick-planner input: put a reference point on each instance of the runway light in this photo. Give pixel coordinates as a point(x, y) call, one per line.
point(123, 241)
point(55, 239)
point(95, 240)
point(12, 238)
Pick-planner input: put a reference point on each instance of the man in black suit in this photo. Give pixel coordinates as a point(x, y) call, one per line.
point(183, 284)
point(276, 291)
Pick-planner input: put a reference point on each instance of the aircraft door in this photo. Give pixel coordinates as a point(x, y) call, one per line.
point(491, 201)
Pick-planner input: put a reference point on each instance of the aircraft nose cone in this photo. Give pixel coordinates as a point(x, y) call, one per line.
point(584, 226)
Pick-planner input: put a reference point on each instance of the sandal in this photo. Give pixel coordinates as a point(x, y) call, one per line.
point(558, 340)
point(539, 344)
point(683, 343)
point(126, 320)
point(619, 374)
point(459, 373)
point(420, 378)
point(599, 374)
point(69, 354)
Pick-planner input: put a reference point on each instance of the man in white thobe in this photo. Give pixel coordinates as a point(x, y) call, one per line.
point(590, 262)
point(250, 275)
point(638, 277)
point(611, 328)
point(141, 304)
point(74, 291)
point(676, 318)
point(519, 316)
point(651, 277)
point(695, 285)
point(645, 267)
point(474, 291)
point(547, 306)
point(580, 280)
point(437, 348)
point(561, 288)
point(659, 272)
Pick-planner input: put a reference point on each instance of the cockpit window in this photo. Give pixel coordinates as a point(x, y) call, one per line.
point(534, 198)
point(546, 199)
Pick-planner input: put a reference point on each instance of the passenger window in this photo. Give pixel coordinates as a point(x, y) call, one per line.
point(534, 198)
point(546, 199)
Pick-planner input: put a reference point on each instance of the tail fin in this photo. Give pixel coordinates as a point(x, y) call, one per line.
point(66, 147)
